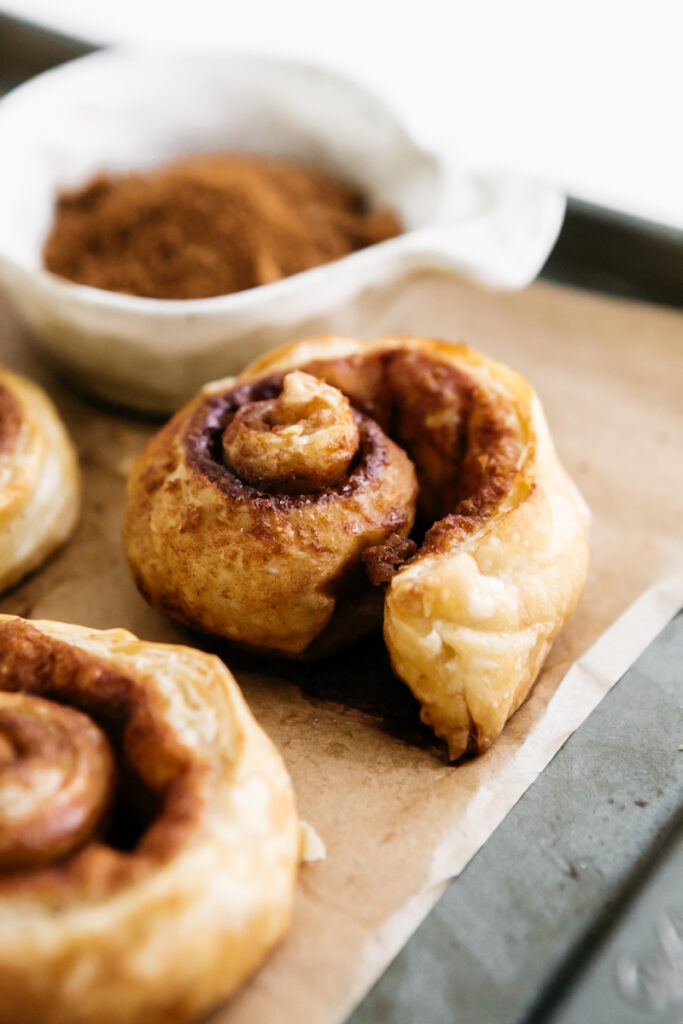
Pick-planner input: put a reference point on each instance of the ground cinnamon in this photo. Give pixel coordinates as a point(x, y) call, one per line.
point(209, 225)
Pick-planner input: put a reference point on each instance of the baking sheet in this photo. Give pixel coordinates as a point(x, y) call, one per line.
point(397, 820)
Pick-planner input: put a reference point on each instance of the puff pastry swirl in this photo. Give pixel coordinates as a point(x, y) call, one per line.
point(39, 480)
point(225, 530)
point(470, 608)
point(149, 845)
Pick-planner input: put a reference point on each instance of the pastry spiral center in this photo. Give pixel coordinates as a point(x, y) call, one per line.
point(56, 780)
point(301, 442)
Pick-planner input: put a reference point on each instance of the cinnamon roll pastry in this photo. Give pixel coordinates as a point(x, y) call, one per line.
point(249, 514)
point(39, 483)
point(148, 841)
point(252, 515)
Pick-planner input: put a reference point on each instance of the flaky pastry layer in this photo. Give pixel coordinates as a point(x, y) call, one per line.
point(39, 479)
point(469, 619)
point(164, 930)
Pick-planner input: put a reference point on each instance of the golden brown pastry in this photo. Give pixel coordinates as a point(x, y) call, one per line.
point(216, 537)
point(39, 482)
point(149, 839)
point(250, 511)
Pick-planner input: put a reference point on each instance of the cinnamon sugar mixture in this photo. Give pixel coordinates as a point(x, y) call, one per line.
point(209, 225)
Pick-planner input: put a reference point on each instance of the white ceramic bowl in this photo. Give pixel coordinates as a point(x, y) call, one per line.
point(120, 110)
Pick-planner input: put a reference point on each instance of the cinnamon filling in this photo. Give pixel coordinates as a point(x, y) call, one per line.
point(205, 448)
point(64, 806)
point(465, 443)
point(383, 561)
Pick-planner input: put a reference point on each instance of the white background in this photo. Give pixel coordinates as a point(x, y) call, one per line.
point(587, 94)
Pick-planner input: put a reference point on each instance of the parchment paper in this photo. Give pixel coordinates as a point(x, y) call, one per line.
point(397, 820)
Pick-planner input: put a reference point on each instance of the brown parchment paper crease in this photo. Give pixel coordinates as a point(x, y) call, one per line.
point(396, 819)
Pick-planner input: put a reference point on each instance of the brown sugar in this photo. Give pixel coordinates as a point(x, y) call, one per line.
point(209, 225)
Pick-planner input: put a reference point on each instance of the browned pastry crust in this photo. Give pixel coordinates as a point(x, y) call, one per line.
point(56, 780)
point(469, 616)
point(149, 843)
point(252, 561)
point(39, 484)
